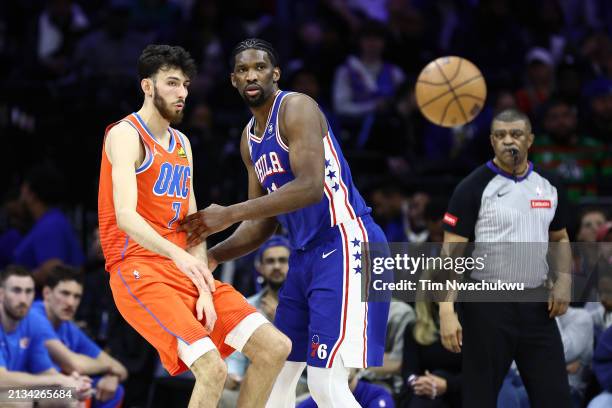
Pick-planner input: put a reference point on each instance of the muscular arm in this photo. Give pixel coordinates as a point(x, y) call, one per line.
point(250, 234)
point(123, 148)
point(301, 124)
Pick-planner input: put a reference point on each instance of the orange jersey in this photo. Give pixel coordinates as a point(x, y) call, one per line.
point(164, 186)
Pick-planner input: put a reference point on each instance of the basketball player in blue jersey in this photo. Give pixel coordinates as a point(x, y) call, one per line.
point(299, 177)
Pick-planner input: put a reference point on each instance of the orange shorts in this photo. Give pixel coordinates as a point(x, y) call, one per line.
point(158, 301)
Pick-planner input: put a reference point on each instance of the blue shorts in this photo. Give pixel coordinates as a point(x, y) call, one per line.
point(320, 304)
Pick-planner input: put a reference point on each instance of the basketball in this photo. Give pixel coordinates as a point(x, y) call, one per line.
point(450, 91)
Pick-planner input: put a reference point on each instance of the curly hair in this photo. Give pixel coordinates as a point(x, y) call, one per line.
point(160, 56)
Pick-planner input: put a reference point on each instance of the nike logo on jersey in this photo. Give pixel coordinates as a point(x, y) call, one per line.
point(502, 194)
point(269, 137)
point(155, 152)
point(325, 255)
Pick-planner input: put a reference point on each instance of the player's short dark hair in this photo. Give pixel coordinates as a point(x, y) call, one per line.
point(13, 270)
point(63, 273)
point(373, 28)
point(161, 56)
point(512, 115)
point(255, 44)
point(47, 182)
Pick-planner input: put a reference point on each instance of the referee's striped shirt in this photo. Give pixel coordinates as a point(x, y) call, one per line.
point(492, 206)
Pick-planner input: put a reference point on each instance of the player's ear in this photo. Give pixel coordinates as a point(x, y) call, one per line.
point(46, 292)
point(233, 80)
point(147, 86)
point(276, 74)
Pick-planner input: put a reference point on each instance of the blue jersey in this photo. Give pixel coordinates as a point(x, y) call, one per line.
point(341, 201)
point(24, 348)
point(70, 334)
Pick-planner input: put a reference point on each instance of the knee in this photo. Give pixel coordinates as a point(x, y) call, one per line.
point(279, 348)
point(210, 368)
point(275, 351)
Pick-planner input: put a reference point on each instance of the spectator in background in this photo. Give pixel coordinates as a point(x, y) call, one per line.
point(96, 306)
point(432, 374)
point(272, 263)
point(51, 240)
point(590, 221)
point(401, 218)
point(575, 157)
point(401, 315)
point(598, 94)
point(364, 86)
point(367, 395)
point(18, 224)
point(24, 361)
point(576, 329)
point(107, 55)
point(602, 367)
point(62, 294)
point(60, 25)
point(539, 81)
point(586, 255)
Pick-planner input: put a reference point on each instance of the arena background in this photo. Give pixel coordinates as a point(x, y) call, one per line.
point(68, 69)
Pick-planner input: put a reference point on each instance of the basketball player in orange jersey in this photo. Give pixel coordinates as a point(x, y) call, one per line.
point(160, 288)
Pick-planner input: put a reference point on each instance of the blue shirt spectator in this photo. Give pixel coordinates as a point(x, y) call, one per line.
point(24, 348)
point(51, 237)
point(367, 395)
point(70, 334)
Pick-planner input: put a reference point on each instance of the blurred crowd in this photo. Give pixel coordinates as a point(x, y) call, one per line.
point(68, 69)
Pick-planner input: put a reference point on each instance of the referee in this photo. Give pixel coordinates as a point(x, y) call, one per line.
point(508, 200)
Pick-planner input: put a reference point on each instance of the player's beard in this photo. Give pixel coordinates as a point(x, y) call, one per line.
point(14, 313)
point(257, 101)
point(167, 112)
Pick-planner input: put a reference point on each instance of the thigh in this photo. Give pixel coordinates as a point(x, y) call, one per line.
point(490, 337)
point(341, 321)
point(233, 311)
point(540, 358)
point(159, 310)
point(292, 314)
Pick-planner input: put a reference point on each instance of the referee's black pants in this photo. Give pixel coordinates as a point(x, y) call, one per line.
point(494, 334)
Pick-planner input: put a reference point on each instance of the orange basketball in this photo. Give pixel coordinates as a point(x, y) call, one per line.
point(450, 91)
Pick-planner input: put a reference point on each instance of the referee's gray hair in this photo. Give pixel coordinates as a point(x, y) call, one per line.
point(512, 115)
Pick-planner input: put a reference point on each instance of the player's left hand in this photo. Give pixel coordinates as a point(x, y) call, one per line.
point(206, 308)
point(106, 387)
point(203, 223)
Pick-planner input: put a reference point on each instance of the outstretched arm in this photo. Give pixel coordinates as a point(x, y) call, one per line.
point(301, 124)
point(250, 234)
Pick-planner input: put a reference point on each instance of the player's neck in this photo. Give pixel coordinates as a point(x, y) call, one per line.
point(55, 321)
point(9, 325)
point(156, 123)
point(262, 112)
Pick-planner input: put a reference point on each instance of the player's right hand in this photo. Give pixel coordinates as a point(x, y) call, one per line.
point(206, 308)
point(196, 270)
point(451, 332)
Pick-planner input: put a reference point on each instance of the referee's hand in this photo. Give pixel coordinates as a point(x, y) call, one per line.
point(559, 297)
point(451, 331)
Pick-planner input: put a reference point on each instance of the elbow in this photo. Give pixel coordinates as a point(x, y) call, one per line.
point(314, 193)
point(122, 217)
